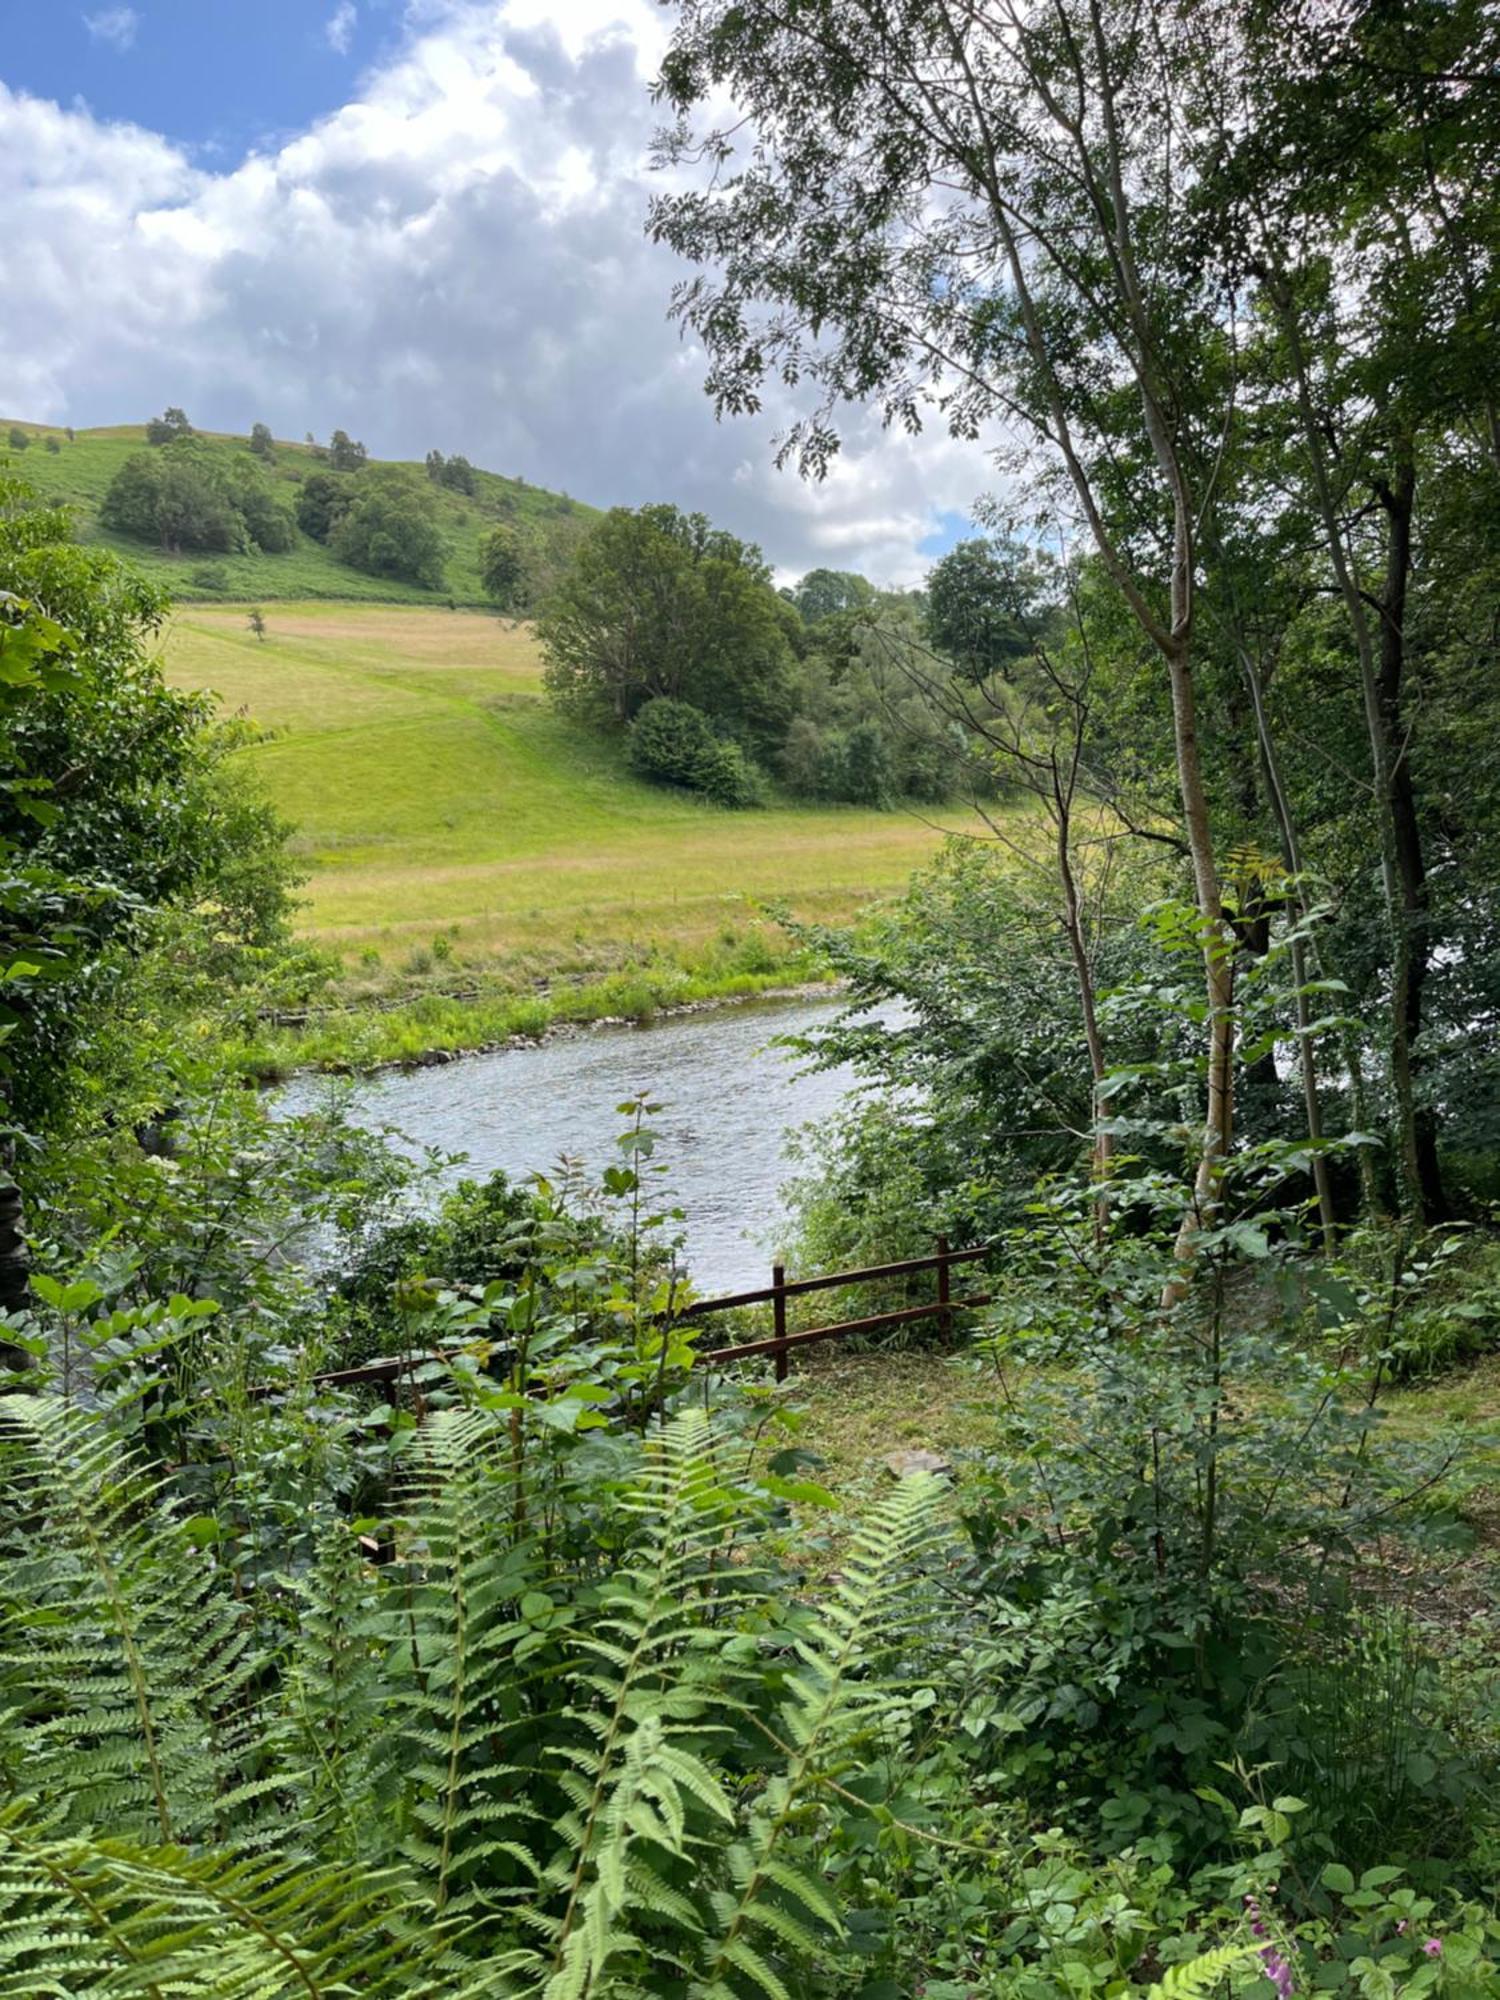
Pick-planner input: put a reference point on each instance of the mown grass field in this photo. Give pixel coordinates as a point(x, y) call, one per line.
point(461, 838)
point(79, 472)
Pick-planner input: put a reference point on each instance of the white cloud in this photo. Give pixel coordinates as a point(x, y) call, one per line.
point(115, 26)
point(454, 258)
point(340, 25)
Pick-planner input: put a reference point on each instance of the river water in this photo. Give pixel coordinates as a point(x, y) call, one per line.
point(729, 1098)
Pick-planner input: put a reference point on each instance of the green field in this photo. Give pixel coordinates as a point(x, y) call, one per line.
point(461, 838)
point(80, 473)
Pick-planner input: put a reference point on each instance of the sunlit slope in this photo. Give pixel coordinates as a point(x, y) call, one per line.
point(436, 795)
point(79, 472)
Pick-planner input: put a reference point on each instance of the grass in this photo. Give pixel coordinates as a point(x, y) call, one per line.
point(462, 840)
point(853, 1409)
point(79, 472)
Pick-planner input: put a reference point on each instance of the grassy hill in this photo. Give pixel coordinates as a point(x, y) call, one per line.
point(79, 472)
point(460, 838)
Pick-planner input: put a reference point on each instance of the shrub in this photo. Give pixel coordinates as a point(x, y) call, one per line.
point(673, 743)
point(209, 576)
point(18, 439)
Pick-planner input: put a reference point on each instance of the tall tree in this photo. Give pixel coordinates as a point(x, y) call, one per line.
point(656, 602)
point(985, 211)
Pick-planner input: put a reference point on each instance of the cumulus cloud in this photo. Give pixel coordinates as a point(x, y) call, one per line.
point(340, 25)
point(115, 26)
point(455, 258)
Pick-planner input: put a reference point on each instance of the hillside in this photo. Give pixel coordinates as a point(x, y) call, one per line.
point(79, 472)
point(460, 837)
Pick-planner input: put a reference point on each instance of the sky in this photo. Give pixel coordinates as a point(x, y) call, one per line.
point(417, 220)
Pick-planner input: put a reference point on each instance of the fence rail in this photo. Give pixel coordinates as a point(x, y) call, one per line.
point(389, 1369)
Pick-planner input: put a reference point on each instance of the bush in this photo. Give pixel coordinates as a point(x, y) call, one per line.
point(673, 743)
point(209, 576)
point(18, 440)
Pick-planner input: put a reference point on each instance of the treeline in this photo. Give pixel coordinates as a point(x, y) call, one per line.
point(672, 631)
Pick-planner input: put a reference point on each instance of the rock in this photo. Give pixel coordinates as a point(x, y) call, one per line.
point(900, 1464)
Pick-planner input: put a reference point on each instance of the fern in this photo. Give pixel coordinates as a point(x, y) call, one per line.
point(451, 1635)
point(640, 1793)
point(127, 1664)
point(835, 1699)
point(482, 1769)
point(80, 1917)
point(1197, 1979)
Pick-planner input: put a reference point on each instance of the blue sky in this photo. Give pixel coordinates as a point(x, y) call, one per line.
point(418, 220)
point(217, 76)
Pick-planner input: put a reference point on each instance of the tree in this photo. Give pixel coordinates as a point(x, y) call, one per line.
point(261, 441)
point(656, 602)
point(53, 446)
point(190, 496)
point(930, 206)
point(388, 530)
point(18, 440)
point(115, 807)
point(322, 500)
point(256, 620)
point(456, 473)
point(823, 593)
point(171, 425)
point(171, 499)
point(504, 567)
point(344, 454)
point(981, 600)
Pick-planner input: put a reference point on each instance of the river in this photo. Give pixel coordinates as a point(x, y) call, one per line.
point(728, 1097)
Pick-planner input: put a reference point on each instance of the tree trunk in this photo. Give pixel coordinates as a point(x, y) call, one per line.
point(1103, 1142)
point(1218, 965)
point(1291, 855)
point(1409, 1174)
point(15, 1263)
point(1414, 941)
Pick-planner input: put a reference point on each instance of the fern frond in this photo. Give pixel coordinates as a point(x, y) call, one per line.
point(642, 1796)
point(1197, 1978)
point(124, 1651)
point(91, 1917)
point(835, 1695)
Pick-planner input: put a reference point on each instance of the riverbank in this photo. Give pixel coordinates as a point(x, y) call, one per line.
point(436, 1028)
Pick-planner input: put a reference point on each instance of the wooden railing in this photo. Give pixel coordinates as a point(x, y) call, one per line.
point(780, 1289)
point(388, 1370)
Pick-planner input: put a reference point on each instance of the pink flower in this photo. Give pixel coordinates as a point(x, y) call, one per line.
point(1433, 1947)
point(1278, 1972)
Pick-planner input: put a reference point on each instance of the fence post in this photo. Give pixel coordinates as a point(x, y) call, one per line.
point(778, 1317)
point(945, 1293)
